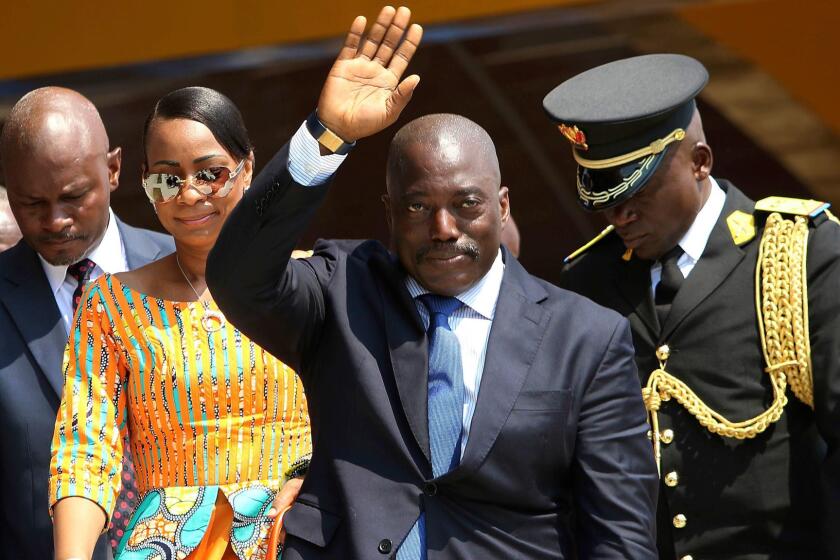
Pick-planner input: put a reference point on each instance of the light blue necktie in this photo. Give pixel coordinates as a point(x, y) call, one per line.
point(445, 406)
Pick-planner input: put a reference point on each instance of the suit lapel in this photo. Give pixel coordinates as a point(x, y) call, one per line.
point(633, 283)
point(719, 258)
point(408, 349)
point(517, 331)
point(140, 250)
point(31, 304)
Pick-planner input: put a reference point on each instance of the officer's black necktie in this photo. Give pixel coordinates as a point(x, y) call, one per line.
point(669, 283)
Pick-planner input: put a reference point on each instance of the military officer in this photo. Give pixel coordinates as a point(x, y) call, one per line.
point(735, 311)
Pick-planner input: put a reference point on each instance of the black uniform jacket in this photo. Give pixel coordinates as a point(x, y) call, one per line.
point(559, 426)
point(778, 495)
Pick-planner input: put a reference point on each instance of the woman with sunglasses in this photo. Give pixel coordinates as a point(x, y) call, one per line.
point(215, 425)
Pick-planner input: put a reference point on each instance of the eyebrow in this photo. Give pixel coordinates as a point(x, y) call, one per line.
point(76, 187)
point(471, 190)
point(205, 158)
point(462, 191)
point(172, 163)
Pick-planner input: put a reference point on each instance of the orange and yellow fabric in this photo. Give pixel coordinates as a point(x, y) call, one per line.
point(210, 417)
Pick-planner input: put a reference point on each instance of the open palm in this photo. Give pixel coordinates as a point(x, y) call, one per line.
point(363, 93)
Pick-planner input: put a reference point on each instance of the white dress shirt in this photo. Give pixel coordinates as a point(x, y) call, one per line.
point(108, 256)
point(306, 164)
point(471, 324)
point(693, 243)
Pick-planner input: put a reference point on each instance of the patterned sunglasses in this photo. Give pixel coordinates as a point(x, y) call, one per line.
point(214, 182)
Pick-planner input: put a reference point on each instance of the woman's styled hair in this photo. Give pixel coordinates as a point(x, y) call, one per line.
point(209, 107)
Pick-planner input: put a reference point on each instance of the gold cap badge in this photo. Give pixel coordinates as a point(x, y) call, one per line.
point(574, 135)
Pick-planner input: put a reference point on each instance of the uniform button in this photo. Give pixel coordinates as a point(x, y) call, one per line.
point(672, 479)
point(650, 435)
point(430, 489)
point(384, 546)
point(667, 436)
point(680, 521)
point(663, 352)
point(687, 557)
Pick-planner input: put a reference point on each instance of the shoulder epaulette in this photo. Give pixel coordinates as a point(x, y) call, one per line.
point(607, 230)
point(792, 206)
point(301, 254)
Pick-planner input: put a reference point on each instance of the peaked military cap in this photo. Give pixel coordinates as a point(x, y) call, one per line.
point(621, 118)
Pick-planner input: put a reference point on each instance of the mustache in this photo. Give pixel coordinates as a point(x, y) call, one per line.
point(466, 247)
point(62, 236)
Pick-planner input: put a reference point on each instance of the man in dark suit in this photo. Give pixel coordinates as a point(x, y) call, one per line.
point(721, 293)
point(60, 172)
point(461, 408)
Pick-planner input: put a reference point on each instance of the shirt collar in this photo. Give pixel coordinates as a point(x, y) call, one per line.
point(480, 297)
point(109, 256)
point(695, 239)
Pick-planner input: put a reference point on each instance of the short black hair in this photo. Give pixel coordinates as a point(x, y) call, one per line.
point(209, 107)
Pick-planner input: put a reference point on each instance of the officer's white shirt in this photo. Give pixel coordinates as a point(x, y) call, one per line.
point(695, 239)
point(109, 256)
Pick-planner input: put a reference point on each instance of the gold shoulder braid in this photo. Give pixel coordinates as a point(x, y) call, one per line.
point(781, 295)
point(781, 300)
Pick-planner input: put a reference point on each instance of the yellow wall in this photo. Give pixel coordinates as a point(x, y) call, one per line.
point(795, 42)
point(45, 36)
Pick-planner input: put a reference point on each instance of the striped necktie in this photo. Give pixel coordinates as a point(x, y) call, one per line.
point(445, 406)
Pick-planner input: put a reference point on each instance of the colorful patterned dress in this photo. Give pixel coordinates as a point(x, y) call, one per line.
point(204, 412)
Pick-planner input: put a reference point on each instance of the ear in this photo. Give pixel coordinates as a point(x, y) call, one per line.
point(248, 170)
point(701, 161)
point(504, 205)
point(114, 161)
point(386, 201)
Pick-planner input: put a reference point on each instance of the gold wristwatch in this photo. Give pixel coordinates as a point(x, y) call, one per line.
point(326, 137)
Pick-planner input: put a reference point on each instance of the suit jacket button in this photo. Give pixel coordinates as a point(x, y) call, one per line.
point(384, 546)
point(667, 436)
point(672, 479)
point(430, 489)
point(680, 521)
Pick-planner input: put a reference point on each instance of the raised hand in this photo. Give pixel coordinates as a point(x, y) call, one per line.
point(364, 92)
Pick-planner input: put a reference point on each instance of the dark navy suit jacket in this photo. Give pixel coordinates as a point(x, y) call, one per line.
point(557, 464)
point(32, 340)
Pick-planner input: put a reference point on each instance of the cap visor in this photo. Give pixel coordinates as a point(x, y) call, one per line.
point(599, 189)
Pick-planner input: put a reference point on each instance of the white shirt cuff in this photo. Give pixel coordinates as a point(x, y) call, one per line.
point(306, 164)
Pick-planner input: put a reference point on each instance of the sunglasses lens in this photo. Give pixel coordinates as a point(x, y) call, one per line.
point(214, 177)
point(161, 187)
